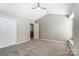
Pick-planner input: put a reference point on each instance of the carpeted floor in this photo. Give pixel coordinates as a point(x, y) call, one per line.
point(37, 48)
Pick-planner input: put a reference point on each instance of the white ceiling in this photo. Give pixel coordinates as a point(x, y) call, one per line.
point(25, 9)
point(59, 8)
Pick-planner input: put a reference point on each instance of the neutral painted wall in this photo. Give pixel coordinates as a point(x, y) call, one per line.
point(55, 27)
point(23, 30)
point(8, 32)
point(76, 29)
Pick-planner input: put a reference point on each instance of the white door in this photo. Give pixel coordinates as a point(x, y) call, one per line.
point(36, 31)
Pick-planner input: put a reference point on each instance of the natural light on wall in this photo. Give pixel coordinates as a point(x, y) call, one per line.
point(72, 16)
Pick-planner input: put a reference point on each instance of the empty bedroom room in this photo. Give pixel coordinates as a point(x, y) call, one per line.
point(38, 29)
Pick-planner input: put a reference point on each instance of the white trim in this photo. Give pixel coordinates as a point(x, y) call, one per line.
point(71, 46)
point(53, 41)
point(7, 45)
point(21, 42)
point(15, 44)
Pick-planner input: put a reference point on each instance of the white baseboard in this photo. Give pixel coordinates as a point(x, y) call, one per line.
point(53, 41)
point(70, 44)
point(14, 44)
point(7, 45)
point(21, 42)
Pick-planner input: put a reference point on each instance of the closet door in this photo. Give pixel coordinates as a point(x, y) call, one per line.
point(36, 31)
point(7, 32)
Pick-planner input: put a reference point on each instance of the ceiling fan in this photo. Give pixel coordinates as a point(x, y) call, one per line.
point(38, 7)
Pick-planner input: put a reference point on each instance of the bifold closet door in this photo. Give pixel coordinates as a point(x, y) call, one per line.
point(7, 32)
point(36, 31)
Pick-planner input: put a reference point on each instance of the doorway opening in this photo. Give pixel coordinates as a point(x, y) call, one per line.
point(31, 31)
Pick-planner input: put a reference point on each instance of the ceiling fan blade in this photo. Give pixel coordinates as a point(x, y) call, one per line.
point(43, 8)
point(34, 8)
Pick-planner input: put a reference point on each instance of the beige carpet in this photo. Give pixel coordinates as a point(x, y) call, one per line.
point(37, 48)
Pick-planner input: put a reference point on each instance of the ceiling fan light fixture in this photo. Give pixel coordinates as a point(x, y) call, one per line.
point(38, 7)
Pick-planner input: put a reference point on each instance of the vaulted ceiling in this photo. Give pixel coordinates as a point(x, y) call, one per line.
point(25, 9)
